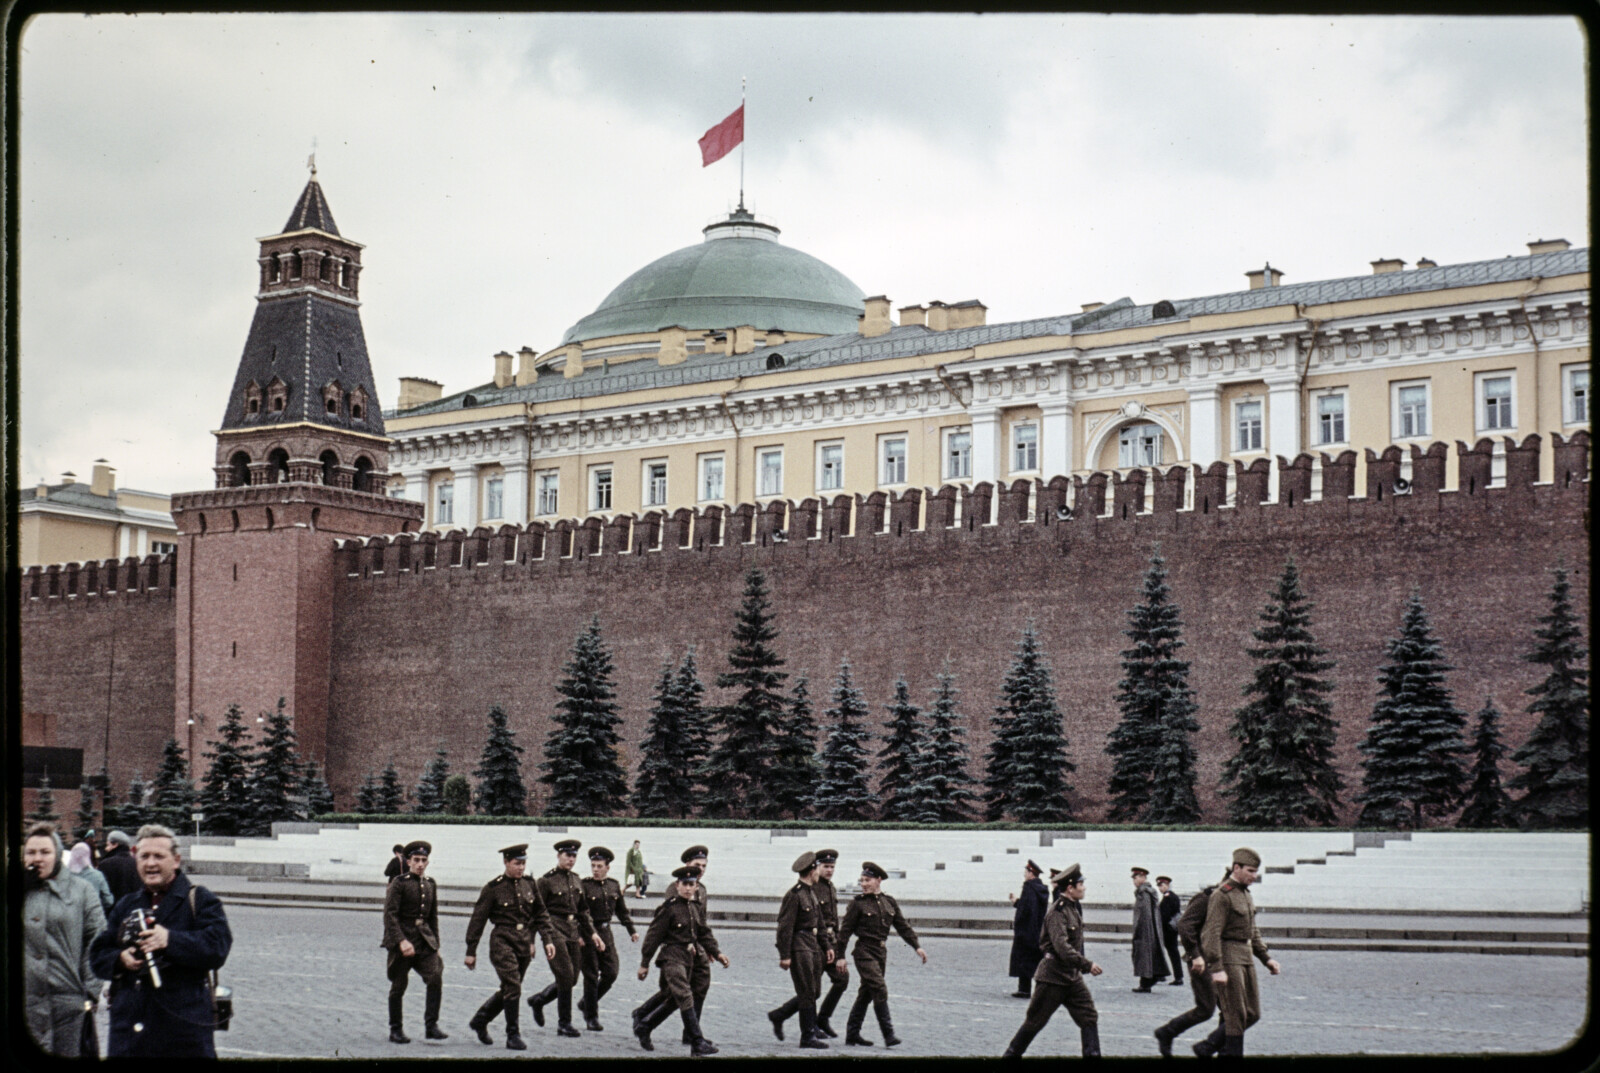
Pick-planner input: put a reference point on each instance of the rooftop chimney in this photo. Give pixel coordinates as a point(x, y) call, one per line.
point(526, 373)
point(913, 315)
point(1384, 265)
point(69, 477)
point(1090, 307)
point(969, 314)
point(938, 316)
point(875, 318)
point(414, 391)
point(105, 478)
point(502, 369)
point(1548, 245)
point(1426, 262)
point(674, 345)
point(1265, 276)
point(573, 366)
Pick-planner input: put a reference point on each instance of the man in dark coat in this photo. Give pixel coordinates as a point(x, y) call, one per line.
point(122, 874)
point(1030, 909)
point(1171, 906)
point(185, 938)
point(1149, 965)
point(397, 862)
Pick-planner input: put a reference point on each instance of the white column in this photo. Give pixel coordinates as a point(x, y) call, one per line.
point(417, 489)
point(1283, 425)
point(515, 492)
point(1055, 439)
point(1205, 424)
point(123, 532)
point(141, 546)
point(466, 497)
point(985, 446)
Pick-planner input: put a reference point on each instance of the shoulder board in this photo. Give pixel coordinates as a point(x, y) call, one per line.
point(552, 872)
point(862, 896)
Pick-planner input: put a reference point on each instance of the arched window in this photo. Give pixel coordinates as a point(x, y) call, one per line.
point(330, 461)
point(333, 406)
point(278, 466)
point(294, 264)
point(363, 478)
point(344, 273)
point(274, 269)
point(239, 470)
point(325, 269)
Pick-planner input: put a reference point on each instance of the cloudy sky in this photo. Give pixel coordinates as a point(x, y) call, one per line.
point(506, 171)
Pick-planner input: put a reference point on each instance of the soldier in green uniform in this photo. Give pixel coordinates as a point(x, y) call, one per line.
point(509, 901)
point(1059, 977)
point(1205, 997)
point(834, 966)
point(1227, 942)
point(869, 918)
point(700, 971)
point(601, 963)
point(801, 933)
point(411, 935)
point(682, 937)
point(570, 929)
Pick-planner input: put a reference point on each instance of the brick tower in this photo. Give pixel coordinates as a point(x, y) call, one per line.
point(302, 460)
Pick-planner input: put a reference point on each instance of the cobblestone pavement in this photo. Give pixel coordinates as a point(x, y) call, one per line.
point(309, 983)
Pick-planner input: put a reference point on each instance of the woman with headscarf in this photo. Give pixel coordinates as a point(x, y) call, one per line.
point(80, 862)
point(61, 916)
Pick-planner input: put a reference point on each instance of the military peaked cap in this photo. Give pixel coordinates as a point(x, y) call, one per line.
point(688, 871)
point(870, 869)
point(1137, 871)
point(519, 852)
point(804, 863)
point(418, 848)
point(1246, 856)
point(1163, 879)
point(1070, 874)
point(827, 856)
point(568, 845)
point(695, 853)
point(600, 853)
point(1036, 870)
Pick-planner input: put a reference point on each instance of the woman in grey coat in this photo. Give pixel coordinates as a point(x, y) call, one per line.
point(61, 915)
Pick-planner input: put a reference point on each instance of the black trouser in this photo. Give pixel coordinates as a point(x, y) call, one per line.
point(1170, 940)
point(426, 964)
point(1047, 998)
point(510, 954)
point(600, 967)
point(839, 983)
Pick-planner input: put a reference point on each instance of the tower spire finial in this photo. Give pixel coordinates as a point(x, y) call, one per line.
point(311, 161)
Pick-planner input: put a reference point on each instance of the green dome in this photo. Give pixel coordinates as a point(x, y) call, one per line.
point(739, 275)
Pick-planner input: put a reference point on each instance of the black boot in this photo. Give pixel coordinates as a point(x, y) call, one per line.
point(699, 1046)
point(590, 1005)
point(536, 1003)
point(1091, 1040)
point(513, 1035)
point(809, 1039)
point(564, 1013)
point(1019, 1043)
point(830, 1002)
point(396, 1034)
point(1207, 1048)
point(649, 1023)
point(1232, 1047)
point(699, 1008)
point(852, 1025)
point(431, 1030)
point(1163, 1037)
point(480, 1020)
point(782, 1014)
point(880, 1006)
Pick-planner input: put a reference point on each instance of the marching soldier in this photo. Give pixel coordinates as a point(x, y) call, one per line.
point(570, 928)
point(700, 971)
point(682, 937)
point(869, 918)
point(1227, 941)
point(834, 965)
point(509, 901)
point(411, 935)
point(1059, 977)
point(1188, 927)
point(601, 963)
point(801, 933)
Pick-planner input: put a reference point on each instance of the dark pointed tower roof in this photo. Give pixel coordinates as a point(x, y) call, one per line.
point(312, 211)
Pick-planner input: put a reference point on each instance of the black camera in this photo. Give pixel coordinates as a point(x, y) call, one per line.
point(221, 1005)
point(128, 934)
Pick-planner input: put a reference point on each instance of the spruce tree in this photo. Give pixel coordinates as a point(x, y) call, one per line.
point(499, 772)
point(225, 790)
point(1488, 804)
point(134, 812)
point(1153, 766)
point(664, 785)
point(44, 804)
point(1282, 774)
point(276, 793)
point(428, 797)
point(390, 799)
point(901, 757)
point(319, 798)
point(942, 790)
point(85, 817)
point(1556, 755)
point(843, 790)
point(582, 766)
point(172, 796)
point(457, 796)
point(795, 769)
point(749, 726)
point(367, 795)
point(1028, 765)
point(1414, 744)
point(696, 720)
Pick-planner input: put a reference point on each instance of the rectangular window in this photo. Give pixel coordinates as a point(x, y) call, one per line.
point(1410, 410)
point(1494, 400)
point(1247, 425)
point(892, 452)
point(655, 484)
point(830, 467)
point(958, 453)
point(600, 488)
point(1330, 419)
point(1578, 395)
point(494, 497)
point(1025, 448)
point(397, 491)
point(445, 514)
point(1139, 445)
point(547, 488)
point(161, 547)
point(769, 471)
point(710, 477)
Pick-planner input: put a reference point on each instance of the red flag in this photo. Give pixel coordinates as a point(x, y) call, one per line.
point(719, 141)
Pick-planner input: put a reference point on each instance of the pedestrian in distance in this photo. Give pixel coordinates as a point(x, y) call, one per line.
point(118, 867)
point(870, 916)
point(1025, 925)
point(700, 971)
point(834, 966)
point(159, 950)
point(601, 961)
point(80, 863)
point(1227, 942)
point(1188, 928)
point(1171, 905)
point(1059, 979)
point(634, 874)
point(509, 901)
point(570, 929)
point(801, 934)
point(1148, 963)
point(678, 937)
point(61, 919)
point(411, 936)
point(397, 862)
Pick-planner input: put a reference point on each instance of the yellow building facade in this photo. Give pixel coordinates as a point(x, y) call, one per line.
point(76, 522)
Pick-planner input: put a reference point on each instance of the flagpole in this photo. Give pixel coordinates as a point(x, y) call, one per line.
point(741, 147)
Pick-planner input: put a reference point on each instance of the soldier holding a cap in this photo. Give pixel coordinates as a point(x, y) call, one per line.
point(801, 934)
point(1227, 942)
point(601, 963)
point(869, 918)
point(411, 935)
point(1148, 963)
point(570, 929)
point(1059, 979)
point(683, 938)
point(1188, 928)
point(510, 901)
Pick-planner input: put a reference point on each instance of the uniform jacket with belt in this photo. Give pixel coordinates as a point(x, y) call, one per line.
point(1061, 942)
point(679, 933)
point(800, 924)
point(604, 897)
point(562, 893)
point(411, 912)
point(1230, 936)
point(869, 919)
point(508, 903)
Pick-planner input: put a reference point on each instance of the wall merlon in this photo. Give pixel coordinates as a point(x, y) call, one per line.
point(73, 583)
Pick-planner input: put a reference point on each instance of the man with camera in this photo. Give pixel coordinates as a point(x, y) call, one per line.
point(159, 949)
